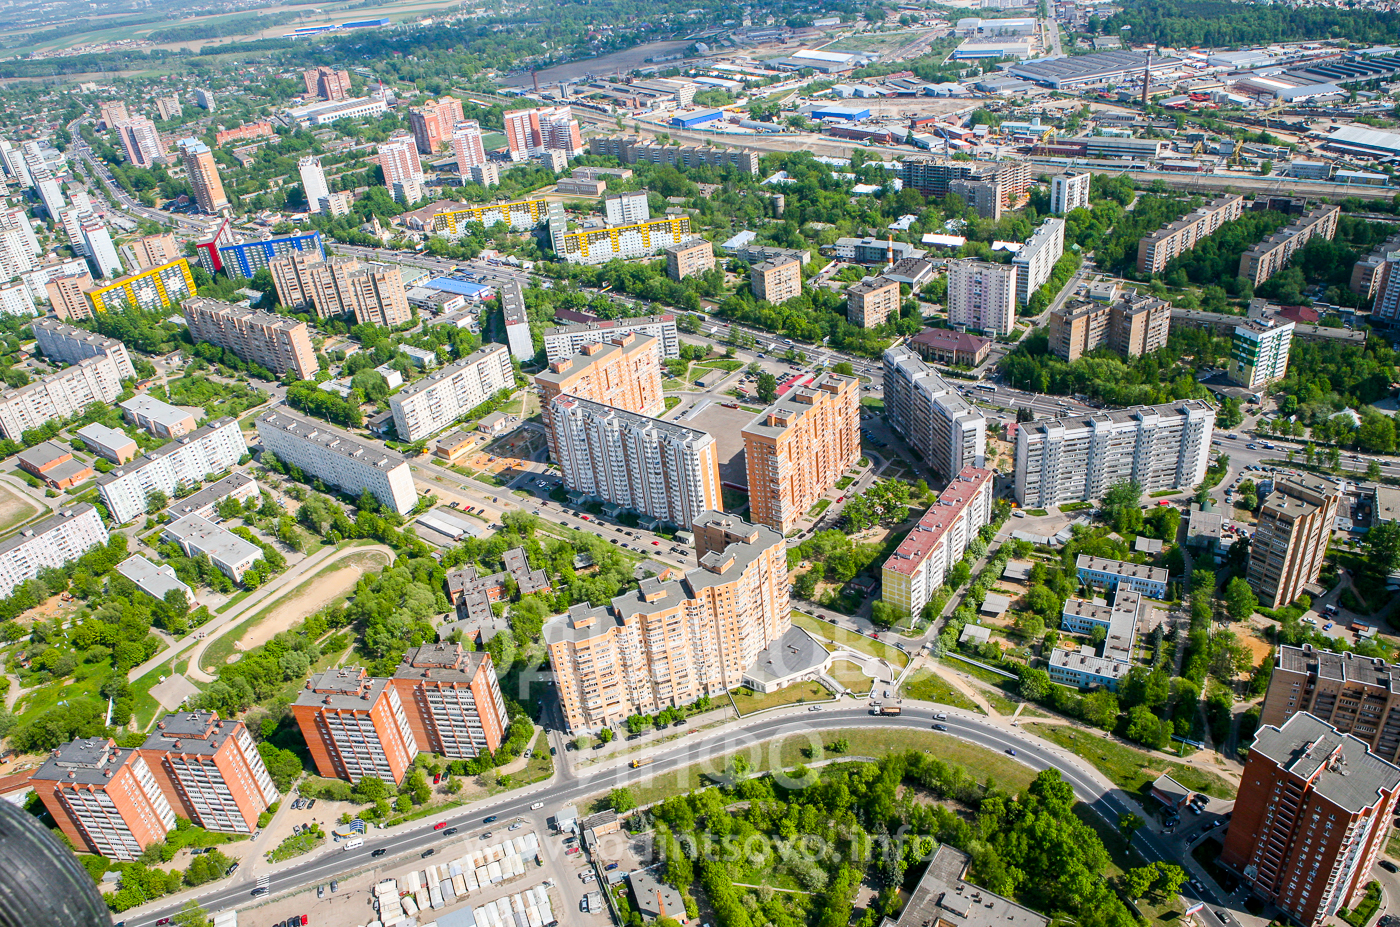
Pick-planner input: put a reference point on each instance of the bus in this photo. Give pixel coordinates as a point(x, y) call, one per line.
point(987, 387)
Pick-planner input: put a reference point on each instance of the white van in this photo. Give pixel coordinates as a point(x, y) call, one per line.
point(354, 843)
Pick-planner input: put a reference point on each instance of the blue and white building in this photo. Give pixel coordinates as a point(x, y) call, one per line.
point(1082, 667)
point(1111, 574)
point(247, 258)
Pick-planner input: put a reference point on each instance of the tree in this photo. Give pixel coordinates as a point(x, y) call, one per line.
point(156, 501)
point(606, 735)
point(1170, 878)
point(1035, 684)
point(1138, 880)
point(1129, 824)
point(621, 799)
point(371, 788)
point(190, 915)
point(767, 388)
point(1240, 601)
point(1100, 708)
point(1382, 545)
point(1146, 728)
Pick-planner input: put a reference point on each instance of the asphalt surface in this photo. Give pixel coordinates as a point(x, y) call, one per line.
point(566, 789)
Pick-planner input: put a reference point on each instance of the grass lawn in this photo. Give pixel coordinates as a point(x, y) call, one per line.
point(1037, 513)
point(1392, 847)
point(1163, 492)
point(1075, 506)
point(747, 701)
point(1130, 769)
point(826, 631)
point(146, 707)
point(541, 765)
point(821, 506)
point(872, 742)
point(672, 402)
point(850, 675)
point(844, 482)
point(234, 601)
point(928, 686)
point(733, 499)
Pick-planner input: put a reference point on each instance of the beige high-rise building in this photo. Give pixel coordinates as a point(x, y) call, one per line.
point(870, 302)
point(398, 157)
point(982, 295)
point(203, 173)
point(624, 373)
point(433, 121)
point(776, 281)
point(688, 258)
point(799, 447)
point(273, 341)
point(1132, 326)
point(1290, 539)
point(68, 297)
point(669, 643)
point(154, 250)
point(1156, 250)
point(169, 107)
point(338, 286)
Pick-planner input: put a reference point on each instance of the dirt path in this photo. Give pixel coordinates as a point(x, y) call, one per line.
point(957, 682)
point(310, 594)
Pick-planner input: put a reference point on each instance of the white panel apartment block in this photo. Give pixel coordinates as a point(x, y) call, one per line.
point(949, 432)
point(1077, 458)
point(201, 453)
point(15, 299)
point(565, 341)
point(339, 458)
point(1036, 259)
point(59, 395)
point(51, 543)
point(439, 400)
point(70, 344)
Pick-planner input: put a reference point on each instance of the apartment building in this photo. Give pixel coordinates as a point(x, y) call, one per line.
point(19, 246)
point(97, 243)
point(517, 320)
point(624, 373)
point(982, 295)
point(249, 131)
point(799, 447)
point(59, 395)
point(327, 83)
point(337, 286)
point(1366, 274)
point(626, 208)
point(245, 259)
point(442, 398)
point(57, 540)
point(398, 158)
point(213, 448)
point(153, 288)
point(1387, 304)
point(1357, 695)
point(156, 580)
point(451, 220)
point(198, 536)
point(313, 182)
point(1290, 539)
point(942, 427)
point(210, 771)
point(664, 471)
point(933, 176)
point(599, 244)
point(776, 281)
point(467, 147)
point(1156, 250)
point(15, 299)
point(152, 250)
point(168, 107)
point(104, 798)
point(633, 151)
point(565, 341)
point(689, 258)
point(1076, 458)
point(355, 726)
point(141, 141)
point(1131, 326)
point(670, 642)
point(1259, 351)
point(452, 700)
point(1272, 255)
point(203, 173)
point(67, 344)
point(339, 459)
point(870, 302)
point(1069, 191)
point(984, 197)
point(271, 341)
point(68, 296)
point(112, 112)
point(1311, 819)
point(159, 418)
point(1036, 260)
point(917, 568)
point(432, 123)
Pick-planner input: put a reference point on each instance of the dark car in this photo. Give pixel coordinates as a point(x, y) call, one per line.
point(426, 853)
point(335, 884)
point(233, 867)
point(309, 805)
point(1010, 751)
point(259, 891)
point(489, 820)
point(940, 727)
point(610, 867)
point(449, 832)
point(1388, 866)
point(379, 852)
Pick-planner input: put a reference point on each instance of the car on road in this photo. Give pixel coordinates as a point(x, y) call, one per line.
point(1388, 866)
point(426, 853)
point(439, 825)
point(449, 832)
point(940, 727)
point(379, 852)
point(1010, 751)
point(537, 806)
point(489, 820)
point(258, 891)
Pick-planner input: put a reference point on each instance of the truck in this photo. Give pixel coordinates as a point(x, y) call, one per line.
point(637, 764)
point(889, 710)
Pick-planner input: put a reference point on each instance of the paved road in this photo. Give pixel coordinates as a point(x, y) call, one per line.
point(1106, 801)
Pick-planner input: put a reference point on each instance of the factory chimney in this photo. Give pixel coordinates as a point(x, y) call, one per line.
point(1146, 79)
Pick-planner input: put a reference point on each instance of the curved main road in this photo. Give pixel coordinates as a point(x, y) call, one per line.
point(1106, 801)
